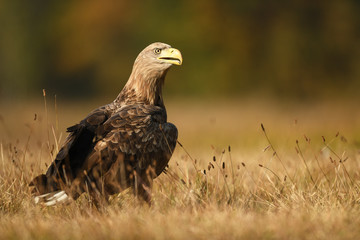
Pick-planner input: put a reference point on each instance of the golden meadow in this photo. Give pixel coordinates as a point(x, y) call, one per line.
point(245, 169)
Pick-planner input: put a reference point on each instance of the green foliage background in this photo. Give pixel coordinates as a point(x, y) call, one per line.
point(288, 49)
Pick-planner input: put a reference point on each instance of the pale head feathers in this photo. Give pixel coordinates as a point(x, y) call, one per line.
point(147, 77)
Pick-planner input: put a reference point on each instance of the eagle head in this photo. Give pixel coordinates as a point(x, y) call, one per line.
point(158, 57)
point(148, 74)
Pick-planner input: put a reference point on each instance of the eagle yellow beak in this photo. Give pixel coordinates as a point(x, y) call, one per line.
point(171, 55)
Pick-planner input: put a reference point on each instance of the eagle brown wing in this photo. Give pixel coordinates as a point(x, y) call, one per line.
point(132, 140)
point(72, 155)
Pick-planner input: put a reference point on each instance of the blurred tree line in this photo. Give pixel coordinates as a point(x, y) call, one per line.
point(86, 48)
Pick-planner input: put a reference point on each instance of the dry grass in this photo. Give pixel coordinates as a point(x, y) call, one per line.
point(297, 178)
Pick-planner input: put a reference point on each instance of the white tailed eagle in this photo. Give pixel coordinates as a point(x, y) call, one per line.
point(126, 143)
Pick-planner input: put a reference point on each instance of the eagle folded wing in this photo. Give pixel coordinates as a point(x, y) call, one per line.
point(138, 139)
point(139, 130)
point(71, 157)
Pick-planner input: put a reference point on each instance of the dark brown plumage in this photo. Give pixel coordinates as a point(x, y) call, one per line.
point(126, 143)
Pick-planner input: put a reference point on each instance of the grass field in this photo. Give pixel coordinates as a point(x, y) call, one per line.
point(295, 178)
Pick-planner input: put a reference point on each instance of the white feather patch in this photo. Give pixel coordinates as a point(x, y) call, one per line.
point(50, 199)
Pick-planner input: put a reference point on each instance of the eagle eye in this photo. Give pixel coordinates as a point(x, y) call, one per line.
point(157, 50)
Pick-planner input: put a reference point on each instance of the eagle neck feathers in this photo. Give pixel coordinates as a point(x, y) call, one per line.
point(144, 86)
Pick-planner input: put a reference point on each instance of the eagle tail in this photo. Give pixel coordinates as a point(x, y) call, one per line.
point(52, 198)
